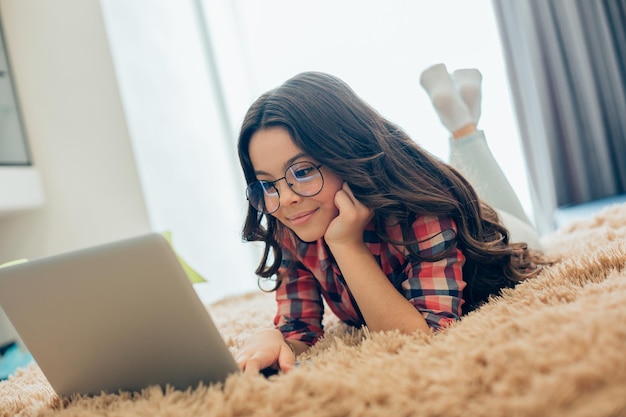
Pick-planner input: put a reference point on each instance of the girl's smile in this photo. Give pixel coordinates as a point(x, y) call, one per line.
point(271, 152)
point(301, 218)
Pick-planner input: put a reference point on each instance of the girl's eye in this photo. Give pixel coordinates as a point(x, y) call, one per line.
point(267, 186)
point(302, 172)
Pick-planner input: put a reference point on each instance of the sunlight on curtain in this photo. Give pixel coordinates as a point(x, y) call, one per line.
point(191, 184)
point(185, 149)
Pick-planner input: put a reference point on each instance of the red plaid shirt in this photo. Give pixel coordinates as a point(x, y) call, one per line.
point(434, 288)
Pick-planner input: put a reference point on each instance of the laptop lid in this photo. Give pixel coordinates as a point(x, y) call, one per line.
point(119, 316)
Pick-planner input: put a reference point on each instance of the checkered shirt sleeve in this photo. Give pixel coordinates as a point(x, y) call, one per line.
point(435, 288)
point(299, 300)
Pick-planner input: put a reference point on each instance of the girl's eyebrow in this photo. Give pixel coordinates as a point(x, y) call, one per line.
point(286, 165)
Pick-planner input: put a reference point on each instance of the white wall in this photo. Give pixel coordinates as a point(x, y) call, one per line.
point(76, 129)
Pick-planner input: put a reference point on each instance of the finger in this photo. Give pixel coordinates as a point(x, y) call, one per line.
point(346, 207)
point(343, 200)
point(346, 192)
point(355, 201)
point(241, 360)
point(252, 366)
point(286, 359)
point(362, 209)
point(346, 187)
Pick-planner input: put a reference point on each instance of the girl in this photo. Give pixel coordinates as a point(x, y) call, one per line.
point(354, 212)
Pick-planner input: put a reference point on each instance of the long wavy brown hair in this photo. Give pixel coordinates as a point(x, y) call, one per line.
point(388, 172)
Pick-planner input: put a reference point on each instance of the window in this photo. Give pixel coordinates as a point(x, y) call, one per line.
point(189, 70)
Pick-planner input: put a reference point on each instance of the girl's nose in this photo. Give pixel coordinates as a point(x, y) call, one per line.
point(286, 194)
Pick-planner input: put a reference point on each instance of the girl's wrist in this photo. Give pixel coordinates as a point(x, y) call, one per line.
point(271, 332)
point(351, 247)
point(293, 349)
point(351, 253)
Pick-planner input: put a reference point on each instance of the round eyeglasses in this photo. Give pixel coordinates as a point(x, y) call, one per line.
point(303, 178)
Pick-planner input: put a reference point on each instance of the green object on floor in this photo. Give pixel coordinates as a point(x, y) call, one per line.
point(193, 276)
point(15, 262)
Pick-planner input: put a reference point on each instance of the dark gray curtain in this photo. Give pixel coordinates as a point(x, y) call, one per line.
point(567, 68)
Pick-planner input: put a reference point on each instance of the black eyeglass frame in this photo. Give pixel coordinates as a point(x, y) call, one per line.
point(284, 177)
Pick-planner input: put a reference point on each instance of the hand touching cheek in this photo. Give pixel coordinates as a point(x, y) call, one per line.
point(347, 228)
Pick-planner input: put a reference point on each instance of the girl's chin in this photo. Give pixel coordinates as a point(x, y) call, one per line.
point(308, 237)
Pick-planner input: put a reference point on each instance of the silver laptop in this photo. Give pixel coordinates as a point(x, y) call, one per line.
point(120, 316)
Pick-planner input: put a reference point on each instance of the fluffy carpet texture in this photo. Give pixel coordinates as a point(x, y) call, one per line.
point(553, 346)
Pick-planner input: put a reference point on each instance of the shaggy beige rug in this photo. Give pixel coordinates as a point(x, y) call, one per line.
point(554, 346)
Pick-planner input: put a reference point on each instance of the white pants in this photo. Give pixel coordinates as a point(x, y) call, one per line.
point(471, 156)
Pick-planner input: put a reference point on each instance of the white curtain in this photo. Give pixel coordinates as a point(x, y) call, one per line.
point(182, 138)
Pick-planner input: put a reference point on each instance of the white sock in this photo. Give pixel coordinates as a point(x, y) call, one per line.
point(467, 83)
point(448, 103)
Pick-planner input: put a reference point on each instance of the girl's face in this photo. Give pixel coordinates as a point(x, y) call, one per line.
point(272, 151)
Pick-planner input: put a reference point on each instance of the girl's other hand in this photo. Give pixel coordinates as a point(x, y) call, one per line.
point(266, 349)
point(348, 226)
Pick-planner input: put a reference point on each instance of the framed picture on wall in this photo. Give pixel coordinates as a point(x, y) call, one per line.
point(13, 146)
